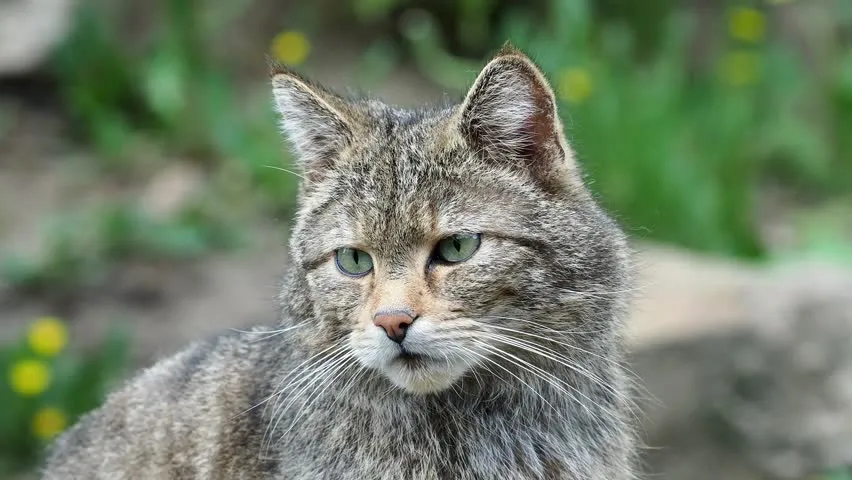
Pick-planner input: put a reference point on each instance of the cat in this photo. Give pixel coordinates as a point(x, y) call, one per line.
point(453, 311)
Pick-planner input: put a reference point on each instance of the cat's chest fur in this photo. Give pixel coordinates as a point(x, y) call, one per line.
point(417, 442)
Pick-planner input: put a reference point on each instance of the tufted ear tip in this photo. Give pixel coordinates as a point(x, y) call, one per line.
point(273, 67)
point(509, 49)
point(278, 71)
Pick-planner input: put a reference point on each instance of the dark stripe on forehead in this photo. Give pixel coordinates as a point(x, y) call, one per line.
point(315, 263)
point(342, 194)
point(535, 244)
point(323, 207)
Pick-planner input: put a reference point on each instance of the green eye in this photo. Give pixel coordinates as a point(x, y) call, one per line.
point(458, 248)
point(353, 262)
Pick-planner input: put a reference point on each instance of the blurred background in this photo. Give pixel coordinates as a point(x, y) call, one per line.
point(143, 202)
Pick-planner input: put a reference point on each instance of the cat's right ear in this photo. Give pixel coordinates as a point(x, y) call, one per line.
point(314, 120)
point(510, 116)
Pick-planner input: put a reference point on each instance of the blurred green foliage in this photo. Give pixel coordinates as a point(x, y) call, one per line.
point(677, 149)
point(84, 247)
point(45, 387)
point(839, 474)
point(172, 90)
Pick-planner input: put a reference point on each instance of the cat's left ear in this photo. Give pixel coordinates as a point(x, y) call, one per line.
point(510, 116)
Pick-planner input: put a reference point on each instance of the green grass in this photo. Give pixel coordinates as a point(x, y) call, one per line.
point(838, 474)
point(83, 247)
point(74, 384)
point(680, 154)
point(173, 95)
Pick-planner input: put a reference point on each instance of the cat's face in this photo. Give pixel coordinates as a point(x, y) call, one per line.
point(426, 239)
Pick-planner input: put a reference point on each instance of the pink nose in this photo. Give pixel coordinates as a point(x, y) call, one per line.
point(395, 323)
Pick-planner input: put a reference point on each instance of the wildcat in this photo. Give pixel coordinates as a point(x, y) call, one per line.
point(452, 311)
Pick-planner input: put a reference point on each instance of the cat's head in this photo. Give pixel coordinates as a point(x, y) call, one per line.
point(428, 242)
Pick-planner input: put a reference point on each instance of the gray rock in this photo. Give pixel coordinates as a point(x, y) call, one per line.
point(29, 31)
point(768, 396)
point(785, 387)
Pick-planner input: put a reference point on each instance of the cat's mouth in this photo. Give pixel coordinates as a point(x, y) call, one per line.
point(415, 365)
point(411, 359)
point(421, 374)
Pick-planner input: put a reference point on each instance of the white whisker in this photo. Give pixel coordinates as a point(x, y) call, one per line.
point(285, 170)
point(301, 377)
point(555, 357)
point(497, 364)
point(541, 374)
point(270, 333)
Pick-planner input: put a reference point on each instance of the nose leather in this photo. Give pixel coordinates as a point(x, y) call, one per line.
point(394, 323)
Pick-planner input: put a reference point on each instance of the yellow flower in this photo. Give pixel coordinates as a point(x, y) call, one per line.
point(48, 422)
point(574, 85)
point(29, 378)
point(740, 68)
point(291, 47)
point(746, 24)
point(47, 336)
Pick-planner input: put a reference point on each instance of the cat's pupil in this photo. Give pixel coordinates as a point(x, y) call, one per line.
point(457, 244)
point(355, 256)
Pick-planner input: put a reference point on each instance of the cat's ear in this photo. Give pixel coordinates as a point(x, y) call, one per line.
point(316, 121)
point(510, 116)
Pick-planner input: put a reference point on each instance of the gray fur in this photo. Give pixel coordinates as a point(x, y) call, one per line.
point(521, 375)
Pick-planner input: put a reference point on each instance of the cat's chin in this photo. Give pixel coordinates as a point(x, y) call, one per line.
point(421, 376)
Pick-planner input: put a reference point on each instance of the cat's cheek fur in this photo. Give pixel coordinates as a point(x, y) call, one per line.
point(334, 292)
point(372, 347)
point(479, 286)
